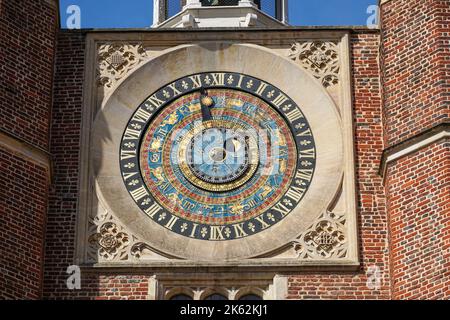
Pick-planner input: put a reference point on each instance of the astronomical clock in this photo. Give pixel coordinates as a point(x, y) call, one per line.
point(218, 155)
point(227, 157)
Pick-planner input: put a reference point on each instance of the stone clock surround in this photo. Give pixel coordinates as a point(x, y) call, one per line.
point(168, 249)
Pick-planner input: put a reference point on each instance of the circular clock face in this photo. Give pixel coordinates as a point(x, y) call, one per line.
point(217, 156)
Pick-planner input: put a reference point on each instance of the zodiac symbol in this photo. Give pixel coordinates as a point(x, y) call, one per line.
point(158, 173)
point(155, 157)
point(173, 118)
point(156, 144)
point(194, 107)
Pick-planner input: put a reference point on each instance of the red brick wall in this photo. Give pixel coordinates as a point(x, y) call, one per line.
point(65, 150)
point(27, 36)
point(416, 80)
point(114, 287)
point(416, 68)
point(23, 203)
point(372, 226)
point(418, 186)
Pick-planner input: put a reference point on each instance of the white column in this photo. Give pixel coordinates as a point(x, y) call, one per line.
point(278, 290)
point(152, 285)
point(158, 12)
point(247, 3)
point(284, 11)
point(192, 4)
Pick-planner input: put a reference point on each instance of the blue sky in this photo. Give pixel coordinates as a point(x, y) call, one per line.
point(138, 13)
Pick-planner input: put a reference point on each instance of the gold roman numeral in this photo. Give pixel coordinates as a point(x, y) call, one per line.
point(194, 228)
point(131, 134)
point(241, 78)
point(264, 224)
point(129, 175)
point(153, 209)
point(218, 79)
point(261, 88)
point(309, 154)
point(295, 193)
point(306, 133)
point(294, 115)
point(141, 116)
point(239, 230)
point(174, 89)
point(139, 193)
point(154, 101)
point(196, 81)
point(171, 222)
point(216, 233)
point(281, 209)
point(278, 101)
point(305, 174)
point(127, 154)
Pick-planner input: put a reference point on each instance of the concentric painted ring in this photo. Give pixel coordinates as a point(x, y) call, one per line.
point(204, 202)
point(151, 142)
point(243, 175)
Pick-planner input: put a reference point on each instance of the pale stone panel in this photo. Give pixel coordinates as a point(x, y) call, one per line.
point(330, 199)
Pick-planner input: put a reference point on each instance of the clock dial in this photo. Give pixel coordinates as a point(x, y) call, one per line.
point(218, 155)
point(218, 164)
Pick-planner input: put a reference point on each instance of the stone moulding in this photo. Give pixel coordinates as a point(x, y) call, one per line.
point(106, 239)
point(232, 286)
point(26, 150)
point(413, 144)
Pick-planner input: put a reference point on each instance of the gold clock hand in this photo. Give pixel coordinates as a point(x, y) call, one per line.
point(206, 102)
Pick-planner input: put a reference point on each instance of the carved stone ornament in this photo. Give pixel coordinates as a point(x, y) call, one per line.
point(319, 58)
point(115, 60)
point(326, 239)
point(110, 241)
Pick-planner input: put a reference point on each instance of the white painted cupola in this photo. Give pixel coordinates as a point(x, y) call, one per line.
point(219, 13)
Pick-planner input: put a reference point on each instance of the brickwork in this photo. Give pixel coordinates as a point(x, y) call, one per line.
point(416, 82)
point(62, 214)
point(27, 36)
point(373, 235)
point(419, 208)
point(65, 148)
point(63, 199)
point(23, 204)
point(416, 67)
point(114, 287)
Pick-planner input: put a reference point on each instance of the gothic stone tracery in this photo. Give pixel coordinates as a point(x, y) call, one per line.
point(115, 60)
point(320, 58)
